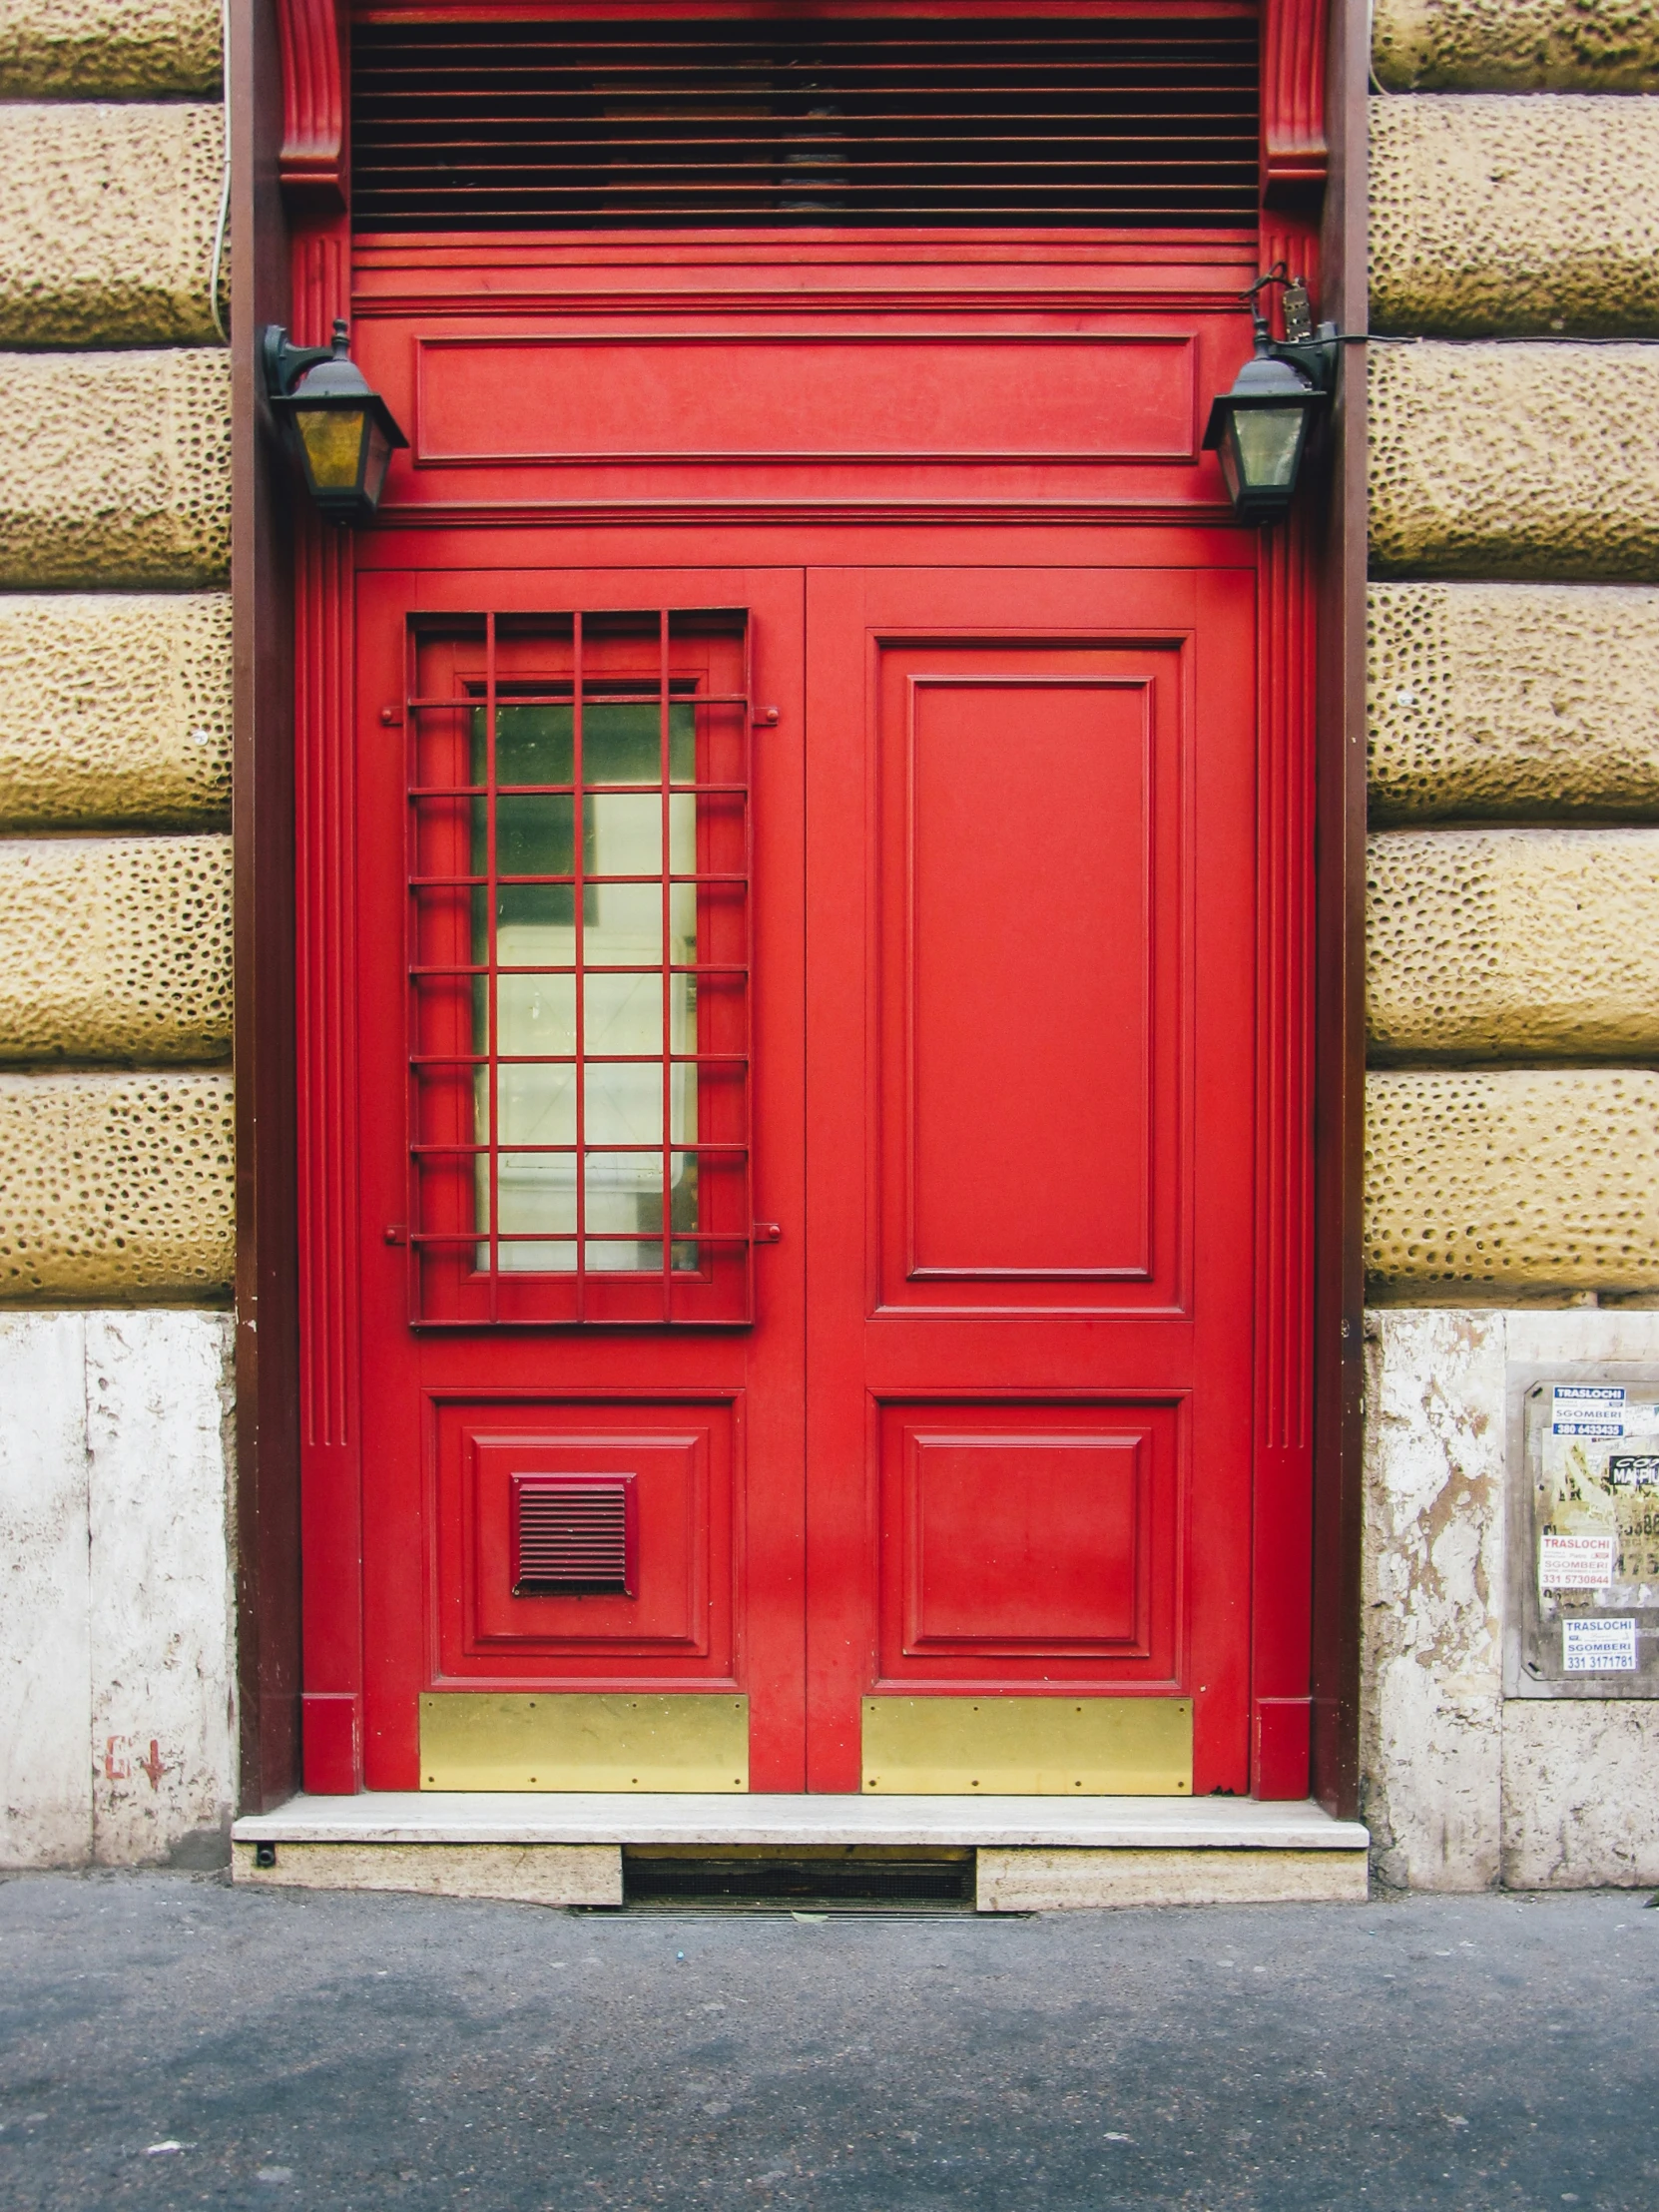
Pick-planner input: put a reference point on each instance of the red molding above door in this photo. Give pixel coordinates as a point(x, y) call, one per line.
point(312, 164)
point(1295, 157)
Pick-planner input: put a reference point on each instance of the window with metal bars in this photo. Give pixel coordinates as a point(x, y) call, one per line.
point(506, 124)
point(579, 960)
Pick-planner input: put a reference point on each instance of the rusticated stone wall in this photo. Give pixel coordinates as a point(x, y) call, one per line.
point(1513, 1154)
point(116, 1152)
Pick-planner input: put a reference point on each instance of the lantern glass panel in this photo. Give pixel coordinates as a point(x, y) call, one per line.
point(380, 459)
point(334, 438)
point(1267, 440)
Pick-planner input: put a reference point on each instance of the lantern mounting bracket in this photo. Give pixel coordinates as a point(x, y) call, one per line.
point(285, 362)
point(1313, 352)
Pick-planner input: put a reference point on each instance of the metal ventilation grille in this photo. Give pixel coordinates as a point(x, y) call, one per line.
point(571, 1535)
point(508, 125)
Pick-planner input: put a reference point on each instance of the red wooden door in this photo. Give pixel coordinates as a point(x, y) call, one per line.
point(910, 912)
point(578, 812)
point(1030, 1125)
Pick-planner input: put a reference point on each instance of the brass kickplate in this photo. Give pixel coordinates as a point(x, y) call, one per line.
point(473, 1741)
point(1028, 1746)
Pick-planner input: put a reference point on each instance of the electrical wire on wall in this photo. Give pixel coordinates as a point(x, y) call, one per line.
point(217, 263)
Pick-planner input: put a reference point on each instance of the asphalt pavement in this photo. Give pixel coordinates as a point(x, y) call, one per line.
point(167, 2040)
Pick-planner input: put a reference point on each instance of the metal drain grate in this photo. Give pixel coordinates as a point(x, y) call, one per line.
point(803, 1881)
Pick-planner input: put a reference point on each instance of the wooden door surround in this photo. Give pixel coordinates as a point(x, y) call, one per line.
point(509, 362)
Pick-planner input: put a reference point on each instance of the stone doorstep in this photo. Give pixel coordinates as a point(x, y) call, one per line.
point(1032, 1853)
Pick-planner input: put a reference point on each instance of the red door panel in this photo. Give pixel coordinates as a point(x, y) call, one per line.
point(1031, 982)
point(1030, 911)
point(561, 910)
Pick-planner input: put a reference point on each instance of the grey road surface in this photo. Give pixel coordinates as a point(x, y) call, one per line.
point(168, 2042)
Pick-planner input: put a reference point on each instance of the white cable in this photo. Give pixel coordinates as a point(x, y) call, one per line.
point(217, 265)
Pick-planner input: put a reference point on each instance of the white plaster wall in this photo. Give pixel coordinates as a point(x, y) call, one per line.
point(1464, 1787)
point(1433, 1583)
point(117, 1734)
point(45, 1593)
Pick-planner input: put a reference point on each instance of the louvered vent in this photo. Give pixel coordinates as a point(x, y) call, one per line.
point(572, 1535)
point(508, 125)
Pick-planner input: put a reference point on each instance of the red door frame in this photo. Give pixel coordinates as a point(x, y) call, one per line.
point(314, 170)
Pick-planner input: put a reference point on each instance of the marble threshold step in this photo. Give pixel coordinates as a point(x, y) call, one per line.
point(1032, 1854)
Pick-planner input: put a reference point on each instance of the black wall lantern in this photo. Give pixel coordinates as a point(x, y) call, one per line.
point(341, 433)
point(1261, 427)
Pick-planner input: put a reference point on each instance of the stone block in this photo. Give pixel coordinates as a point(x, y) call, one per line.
point(115, 708)
point(1077, 1880)
point(85, 48)
point(162, 1611)
point(107, 219)
point(1510, 216)
point(115, 469)
point(115, 949)
point(1580, 1794)
point(1487, 1184)
point(116, 1186)
point(523, 1874)
point(45, 1568)
point(1431, 1595)
point(1516, 45)
point(1513, 944)
point(1512, 699)
point(1525, 459)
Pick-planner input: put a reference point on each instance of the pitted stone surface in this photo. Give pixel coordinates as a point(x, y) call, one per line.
point(116, 1186)
point(1528, 460)
point(1516, 45)
point(115, 708)
point(1512, 699)
point(1485, 1183)
point(115, 469)
point(1515, 216)
point(107, 218)
point(88, 47)
point(1513, 944)
point(115, 949)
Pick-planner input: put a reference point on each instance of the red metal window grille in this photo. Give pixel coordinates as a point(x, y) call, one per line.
point(579, 953)
point(572, 1535)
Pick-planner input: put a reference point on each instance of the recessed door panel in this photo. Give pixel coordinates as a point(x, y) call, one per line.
point(1034, 1533)
point(1033, 899)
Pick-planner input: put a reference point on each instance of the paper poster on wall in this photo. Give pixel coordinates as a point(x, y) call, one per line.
point(1583, 1540)
point(1576, 1562)
point(1600, 1409)
point(1593, 1644)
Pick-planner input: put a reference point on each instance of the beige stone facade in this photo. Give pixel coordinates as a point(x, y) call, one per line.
point(116, 1154)
point(1513, 1148)
point(1513, 1154)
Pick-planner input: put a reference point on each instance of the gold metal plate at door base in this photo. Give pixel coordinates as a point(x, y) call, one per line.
point(472, 1741)
point(1028, 1746)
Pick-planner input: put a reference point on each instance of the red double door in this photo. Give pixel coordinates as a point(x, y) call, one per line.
point(806, 1125)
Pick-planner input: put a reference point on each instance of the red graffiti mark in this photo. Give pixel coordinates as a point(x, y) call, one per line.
point(114, 1770)
point(154, 1766)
